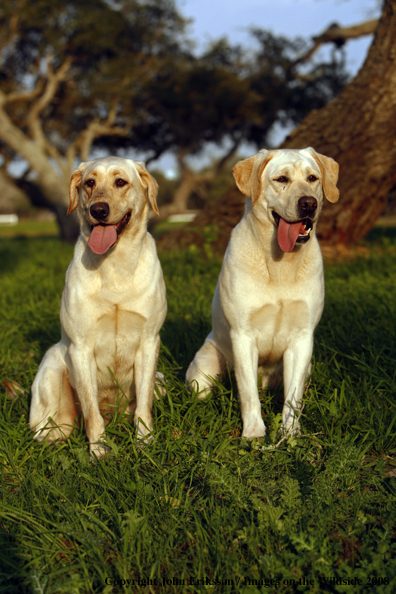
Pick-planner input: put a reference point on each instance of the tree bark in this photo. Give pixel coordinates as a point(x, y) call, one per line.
point(338, 36)
point(182, 194)
point(191, 181)
point(358, 130)
point(53, 186)
point(69, 225)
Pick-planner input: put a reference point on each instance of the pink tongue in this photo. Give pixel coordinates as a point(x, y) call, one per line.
point(102, 238)
point(287, 234)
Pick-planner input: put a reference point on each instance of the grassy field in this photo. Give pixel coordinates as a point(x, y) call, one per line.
point(29, 228)
point(44, 228)
point(197, 510)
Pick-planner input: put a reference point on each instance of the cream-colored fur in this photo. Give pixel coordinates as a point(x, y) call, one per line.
point(268, 302)
point(113, 306)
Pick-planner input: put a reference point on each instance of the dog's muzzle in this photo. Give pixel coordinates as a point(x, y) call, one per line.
point(307, 206)
point(104, 235)
point(99, 211)
point(290, 233)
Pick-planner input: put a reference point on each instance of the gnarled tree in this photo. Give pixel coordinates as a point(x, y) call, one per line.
point(69, 77)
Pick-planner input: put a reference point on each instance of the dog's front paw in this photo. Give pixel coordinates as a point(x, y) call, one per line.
point(290, 429)
point(144, 432)
point(143, 440)
point(98, 450)
point(254, 428)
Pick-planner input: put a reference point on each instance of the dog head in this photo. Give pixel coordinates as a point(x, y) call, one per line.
point(286, 187)
point(109, 193)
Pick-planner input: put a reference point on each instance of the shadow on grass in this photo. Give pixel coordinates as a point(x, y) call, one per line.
point(11, 564)
point(183, 338)
point(45, 337)
point(13, 250)
point(377, 233)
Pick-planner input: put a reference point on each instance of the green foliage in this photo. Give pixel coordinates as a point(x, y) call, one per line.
point(167, 187)
point(229, 93)
point(135, 54)
point(196, 503)
point(131, 80)
point(114, 47)
point(288, 94)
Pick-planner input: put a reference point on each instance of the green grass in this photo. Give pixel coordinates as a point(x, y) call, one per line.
point(196, 503)
point(30, 228)
point(37, 228)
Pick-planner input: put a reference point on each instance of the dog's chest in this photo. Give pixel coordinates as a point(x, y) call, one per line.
point(276, 325)
point(116, 338)
point(117, 331)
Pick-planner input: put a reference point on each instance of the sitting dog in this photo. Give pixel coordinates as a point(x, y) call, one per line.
point(270, 293)
point(113, 306)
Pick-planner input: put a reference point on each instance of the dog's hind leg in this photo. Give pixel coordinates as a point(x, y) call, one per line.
point(270, 376)
point(207, 364)
point(53, 407)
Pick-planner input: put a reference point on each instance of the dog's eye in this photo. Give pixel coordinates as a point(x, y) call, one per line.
point(120, 182)
point(90, 183)
point(312, 178)
point(282, 179)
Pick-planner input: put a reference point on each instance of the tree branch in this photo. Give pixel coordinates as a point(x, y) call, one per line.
point(12, 27)
point(228, 155)
point(52, 151)
point(25, 95)
point(98, 128)
point(35, 155)
point(53, 81)
point(158, 154)
point(180, 157)
point(338, 36)
point(45, 90)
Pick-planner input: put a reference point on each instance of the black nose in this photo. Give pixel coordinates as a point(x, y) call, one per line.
point(307, 205)
point(100, 211)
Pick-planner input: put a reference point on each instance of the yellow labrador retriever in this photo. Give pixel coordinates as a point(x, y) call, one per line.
point(113, 306)
point(270, 293)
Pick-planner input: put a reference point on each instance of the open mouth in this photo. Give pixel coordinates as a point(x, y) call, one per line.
point(290, 233)
point(103, 237)
point(123, 223)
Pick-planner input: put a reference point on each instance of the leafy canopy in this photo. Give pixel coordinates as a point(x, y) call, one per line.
point(134, 56)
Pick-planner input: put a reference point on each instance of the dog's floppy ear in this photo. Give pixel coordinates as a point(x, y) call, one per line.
point(75, 185)
point(247, 174)
point(149, 183)
point(329, 170)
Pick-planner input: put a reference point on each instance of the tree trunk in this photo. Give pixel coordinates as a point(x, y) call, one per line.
point(190, 182)
point(358, 130)
point(69, 225)
point(53, 199)
point(54, 187)
point(183, 192)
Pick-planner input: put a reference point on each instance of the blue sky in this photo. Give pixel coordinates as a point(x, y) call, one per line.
point(212, 19)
